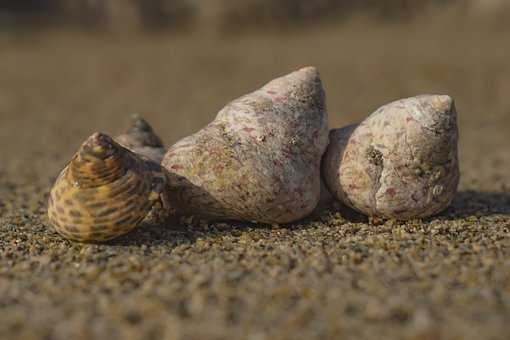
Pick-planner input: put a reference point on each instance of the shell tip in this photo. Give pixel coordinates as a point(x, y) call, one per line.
point(99, 145)
point(138, 123)
point(443, 102)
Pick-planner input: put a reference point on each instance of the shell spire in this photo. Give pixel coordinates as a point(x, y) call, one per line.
point(98, 161)
point(140, 138)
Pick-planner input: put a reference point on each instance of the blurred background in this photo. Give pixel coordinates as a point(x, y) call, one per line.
point(72, 67)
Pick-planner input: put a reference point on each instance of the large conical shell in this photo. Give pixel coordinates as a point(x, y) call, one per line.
point(401, 162)
point(104, 192)
point(140, 138)
point(259, 160)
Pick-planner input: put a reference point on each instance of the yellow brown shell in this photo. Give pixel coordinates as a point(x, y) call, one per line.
point(104, 192)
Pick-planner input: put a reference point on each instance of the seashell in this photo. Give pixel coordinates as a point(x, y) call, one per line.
point(401, 162)
point(259, 160)
point(104, 192)
point(140, 138)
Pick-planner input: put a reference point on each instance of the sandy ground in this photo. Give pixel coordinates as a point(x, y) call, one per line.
point(330, 276)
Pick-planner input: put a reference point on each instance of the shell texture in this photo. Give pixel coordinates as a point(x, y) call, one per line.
point(399, 163)
point(259, 160)
point(142, 140)
point(104, 192)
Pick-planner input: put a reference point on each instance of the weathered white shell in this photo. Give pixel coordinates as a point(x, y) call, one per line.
point(259, 160)
point(401, 162)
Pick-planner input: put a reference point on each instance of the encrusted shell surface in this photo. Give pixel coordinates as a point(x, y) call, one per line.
point(104, 192)
point(259, 160)
point(140, 138)
point(401, 162)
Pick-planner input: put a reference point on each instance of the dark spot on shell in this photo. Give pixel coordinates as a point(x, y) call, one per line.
point(71, 228)
point(98, 227)
point(75, 213)
point(147, 206)
point(391, 191)
point(121, 188)
point(100, 235)
point(68, 202)
point(60, 210)
point(130, 221)
point(85, 196)
point(97, 205)
point(106, 212)
point(136, 189)
point(101, 220)
point(123, 221)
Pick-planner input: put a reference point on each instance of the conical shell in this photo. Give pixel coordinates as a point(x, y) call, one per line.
point(259, 160)
point(401, 162)
point(104, 192)
point(140, 138)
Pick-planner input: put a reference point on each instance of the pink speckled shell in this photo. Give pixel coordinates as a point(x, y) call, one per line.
point(259, 160)
point(401, 162)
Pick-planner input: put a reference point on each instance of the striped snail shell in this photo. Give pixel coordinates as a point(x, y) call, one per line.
point(104, 192)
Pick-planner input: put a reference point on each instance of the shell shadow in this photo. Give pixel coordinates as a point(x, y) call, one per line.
point(477, 203)
point(170, 233)
point(174, 232)
point(179, 230)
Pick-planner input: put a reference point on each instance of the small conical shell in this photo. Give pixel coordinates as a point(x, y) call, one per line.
point(104, 192)
point(401, 162)
point(259, 160)
point(140, 138)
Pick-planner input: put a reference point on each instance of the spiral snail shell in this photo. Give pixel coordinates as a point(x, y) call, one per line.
point(104, 192)
point(140, 138)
